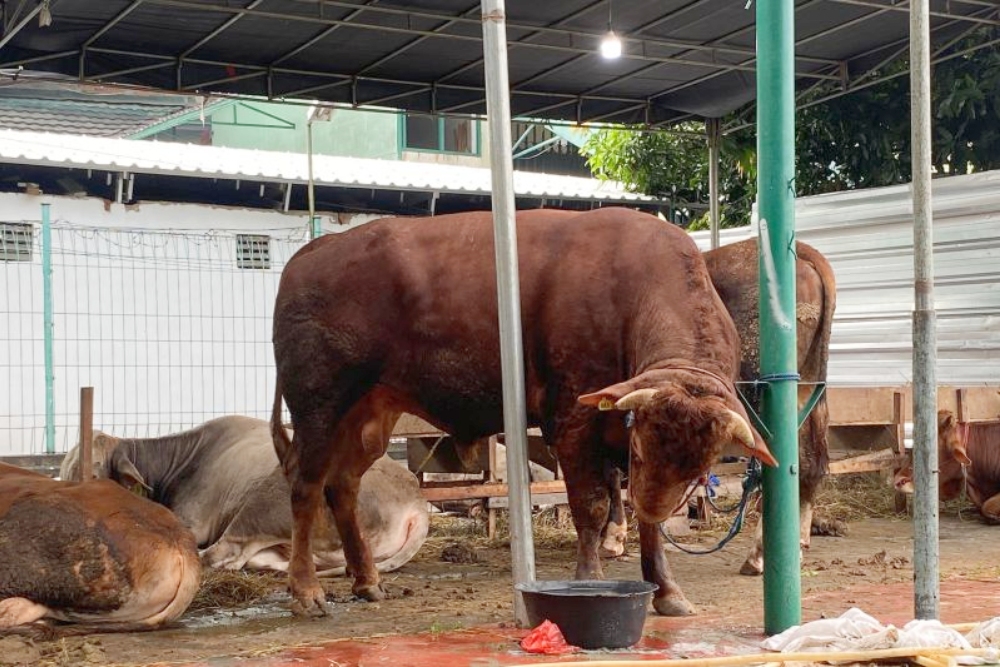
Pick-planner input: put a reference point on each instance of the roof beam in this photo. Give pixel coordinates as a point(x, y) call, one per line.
point(409, 45)
point(101, 31)
point(219, 30)
point(596, 36)
point(904, 6)
point(323, 34)
point(20, 24)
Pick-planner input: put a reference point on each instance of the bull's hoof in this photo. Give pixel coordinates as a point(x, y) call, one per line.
point(612, 551)
point(310, 606)
point(676, 605)
point(371, 592)
point(752, 568)
point(829, 527)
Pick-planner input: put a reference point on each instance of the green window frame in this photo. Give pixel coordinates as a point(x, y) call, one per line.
point(445, 137)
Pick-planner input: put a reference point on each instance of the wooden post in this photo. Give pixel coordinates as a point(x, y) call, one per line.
point(86, 433)
point(899, 499)
point(491, 512)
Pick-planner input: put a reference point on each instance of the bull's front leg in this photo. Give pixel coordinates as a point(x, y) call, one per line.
point(668, 600)
point(587, 493)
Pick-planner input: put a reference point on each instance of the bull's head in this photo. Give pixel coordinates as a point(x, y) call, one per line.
point(682, 421)
point(109, 462)
point(953, 456)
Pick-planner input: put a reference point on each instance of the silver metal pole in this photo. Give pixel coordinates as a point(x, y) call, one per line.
point(925, 455)
point(508, 291)
point(712, 128)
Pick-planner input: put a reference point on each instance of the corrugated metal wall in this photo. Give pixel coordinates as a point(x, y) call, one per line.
point(868, 237)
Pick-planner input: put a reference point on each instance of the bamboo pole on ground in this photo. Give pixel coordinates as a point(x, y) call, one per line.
point(937, 654)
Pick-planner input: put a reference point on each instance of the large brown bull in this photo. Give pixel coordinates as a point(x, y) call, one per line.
point(734, 271)
point(400, 315)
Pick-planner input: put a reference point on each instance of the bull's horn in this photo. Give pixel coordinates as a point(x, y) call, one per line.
point(741, 433)
point(635, 399)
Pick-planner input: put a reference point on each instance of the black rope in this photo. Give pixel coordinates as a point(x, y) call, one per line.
point(751, 482)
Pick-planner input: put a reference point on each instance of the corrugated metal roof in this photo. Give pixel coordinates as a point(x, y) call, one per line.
point(152, 157)
point(679, 57)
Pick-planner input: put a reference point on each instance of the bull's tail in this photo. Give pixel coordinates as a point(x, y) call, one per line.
point(282, 444)
point(821, 344)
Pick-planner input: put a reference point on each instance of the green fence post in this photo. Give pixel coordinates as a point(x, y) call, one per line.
point(48, 332)
point(778, 366)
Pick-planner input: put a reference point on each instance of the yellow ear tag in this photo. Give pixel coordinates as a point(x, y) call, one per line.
point(139, 490)
point(606, 404)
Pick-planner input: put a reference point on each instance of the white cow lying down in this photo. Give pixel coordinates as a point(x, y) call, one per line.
point(223, 481)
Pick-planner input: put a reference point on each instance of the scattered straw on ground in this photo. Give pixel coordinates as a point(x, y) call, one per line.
point(223, 589)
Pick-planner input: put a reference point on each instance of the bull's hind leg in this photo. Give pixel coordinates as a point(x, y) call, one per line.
point(668, 600)
point(306, 467)
point(361, 439)
point(991, 509)
point(615, 531)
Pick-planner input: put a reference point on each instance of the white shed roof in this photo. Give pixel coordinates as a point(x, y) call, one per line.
point(153, 157)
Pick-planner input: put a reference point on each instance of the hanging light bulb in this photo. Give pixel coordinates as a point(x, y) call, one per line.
point(611, 46)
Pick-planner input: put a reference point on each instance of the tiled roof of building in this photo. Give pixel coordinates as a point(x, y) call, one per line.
point(90, 112)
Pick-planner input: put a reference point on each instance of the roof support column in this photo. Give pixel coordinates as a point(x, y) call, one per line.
point(925, 452)
point(778, 364)
point(713, 130)
point(509, 299)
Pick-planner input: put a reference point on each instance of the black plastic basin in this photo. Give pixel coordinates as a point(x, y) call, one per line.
point(591, 614)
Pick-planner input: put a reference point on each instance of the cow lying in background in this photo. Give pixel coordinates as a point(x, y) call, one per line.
point(969, 459)
point(90, 553)
point(223, 481)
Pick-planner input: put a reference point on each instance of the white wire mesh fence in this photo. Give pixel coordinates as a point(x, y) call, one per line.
point(170, 328)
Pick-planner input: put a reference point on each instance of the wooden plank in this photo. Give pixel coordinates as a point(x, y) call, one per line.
point(873, 462)
point(972, 404)
point(472, 491)
point(861, 405)
point(501, 502)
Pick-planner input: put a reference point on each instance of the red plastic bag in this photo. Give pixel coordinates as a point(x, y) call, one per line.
point(548, 639)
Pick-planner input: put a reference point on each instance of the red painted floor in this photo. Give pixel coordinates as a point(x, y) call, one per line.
point(962, 601)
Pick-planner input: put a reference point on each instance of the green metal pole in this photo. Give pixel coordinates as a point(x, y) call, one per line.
point(776, 212)
point(47, 332)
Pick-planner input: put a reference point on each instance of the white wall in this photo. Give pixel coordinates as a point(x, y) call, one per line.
point(150, 309)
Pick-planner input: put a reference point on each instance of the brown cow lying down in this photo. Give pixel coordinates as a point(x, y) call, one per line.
point(968, 459)
point(734, 272)
point(400, 315)
point(223, 480)
point(90, 553)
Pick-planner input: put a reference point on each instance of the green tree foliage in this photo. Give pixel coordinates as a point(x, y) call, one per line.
point(856, 141)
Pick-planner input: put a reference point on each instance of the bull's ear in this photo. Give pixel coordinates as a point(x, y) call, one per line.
point(958, 450)
point(606, 398)
point(127, 474)
point(961, 456)
point(946, 420)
